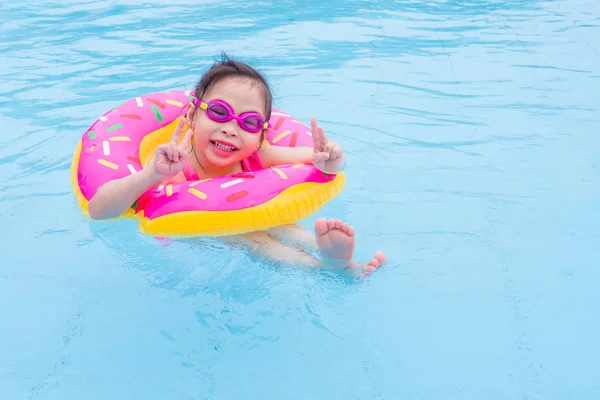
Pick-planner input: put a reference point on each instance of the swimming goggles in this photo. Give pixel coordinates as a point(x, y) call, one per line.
point(219, 111)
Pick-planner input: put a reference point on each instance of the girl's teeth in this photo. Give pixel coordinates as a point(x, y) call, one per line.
point(223, 146)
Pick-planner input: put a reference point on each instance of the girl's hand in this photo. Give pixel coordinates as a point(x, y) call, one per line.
point(171, 157)
point(327, 156)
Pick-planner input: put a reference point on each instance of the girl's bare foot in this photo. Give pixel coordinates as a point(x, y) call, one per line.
point(335, 240)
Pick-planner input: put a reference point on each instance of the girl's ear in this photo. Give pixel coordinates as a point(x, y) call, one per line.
point(189, 115)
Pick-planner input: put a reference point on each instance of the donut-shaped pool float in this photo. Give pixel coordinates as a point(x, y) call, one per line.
point(124, 139)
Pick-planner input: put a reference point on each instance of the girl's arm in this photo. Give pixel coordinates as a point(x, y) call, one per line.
point(277, 155)
point(115, 197)
point(325, 155)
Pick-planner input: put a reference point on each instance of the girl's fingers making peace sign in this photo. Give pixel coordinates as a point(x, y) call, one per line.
point(187, 139)
point(327, 156)
point(171, 157)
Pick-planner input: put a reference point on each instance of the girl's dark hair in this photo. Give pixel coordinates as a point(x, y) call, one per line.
point(227, 67)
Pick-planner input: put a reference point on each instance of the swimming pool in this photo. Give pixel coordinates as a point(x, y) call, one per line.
point(472, 131)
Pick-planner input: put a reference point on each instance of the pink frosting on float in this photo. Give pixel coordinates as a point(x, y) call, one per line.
point(106, 154)
point(246, 190)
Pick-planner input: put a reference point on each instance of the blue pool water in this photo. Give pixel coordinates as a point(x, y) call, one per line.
point(473, 135)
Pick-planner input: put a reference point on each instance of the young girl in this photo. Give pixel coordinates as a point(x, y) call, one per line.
point(227, 127)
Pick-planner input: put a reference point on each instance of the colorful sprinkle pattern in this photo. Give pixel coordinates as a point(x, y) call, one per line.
point(142, 115)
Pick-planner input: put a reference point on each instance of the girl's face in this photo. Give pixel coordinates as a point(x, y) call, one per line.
point(222, 144)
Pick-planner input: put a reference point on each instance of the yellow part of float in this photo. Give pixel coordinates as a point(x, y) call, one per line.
point(290, 206)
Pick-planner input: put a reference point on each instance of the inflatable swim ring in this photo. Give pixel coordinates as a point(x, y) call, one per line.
point(123, 140)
